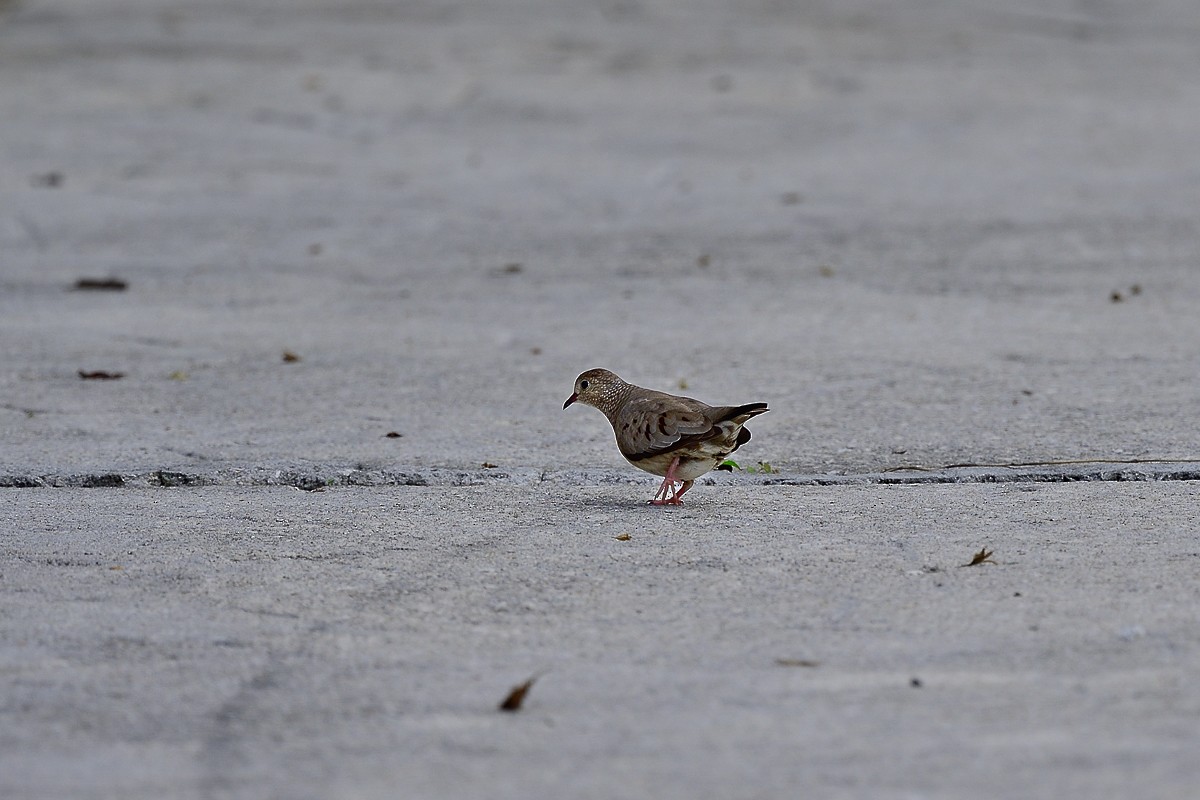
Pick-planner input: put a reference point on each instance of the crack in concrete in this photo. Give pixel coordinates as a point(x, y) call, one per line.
point(319, 478)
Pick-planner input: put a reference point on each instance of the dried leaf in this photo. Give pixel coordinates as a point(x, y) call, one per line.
point(289, 357)
point(393, 435)
point(623, 537)
point(101, 285)
point(796, 662)
point(517, 696)
point(984, 556)
point(101, 375)
point(488, 465)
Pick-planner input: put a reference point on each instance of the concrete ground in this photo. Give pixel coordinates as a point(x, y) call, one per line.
point(928, 233)
point(767, 643)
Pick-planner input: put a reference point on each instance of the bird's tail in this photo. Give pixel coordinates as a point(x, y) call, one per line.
point(743, 413)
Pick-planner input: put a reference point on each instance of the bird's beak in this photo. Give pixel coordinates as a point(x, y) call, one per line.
point(570, 400)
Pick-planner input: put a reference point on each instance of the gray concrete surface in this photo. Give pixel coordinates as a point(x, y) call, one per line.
point(929, 233)
point(355, 643)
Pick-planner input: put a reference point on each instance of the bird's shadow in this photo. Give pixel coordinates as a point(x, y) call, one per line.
point(618, 504)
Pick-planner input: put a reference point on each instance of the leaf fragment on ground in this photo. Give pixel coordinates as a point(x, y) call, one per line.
point(517, 696)
point(101, 285)
point(984, 556)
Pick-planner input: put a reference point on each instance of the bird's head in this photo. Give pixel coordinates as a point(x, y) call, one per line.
point(598, 388)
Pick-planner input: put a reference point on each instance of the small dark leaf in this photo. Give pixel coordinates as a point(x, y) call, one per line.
point(289, 357)
point(393, 435)
point(517, 696)
point(984, 556)
point(101, 285)
point(796, 662)
point(101, 375)
point(488, 465)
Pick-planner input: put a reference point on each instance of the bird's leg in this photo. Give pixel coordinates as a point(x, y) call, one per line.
point(664, 490)
point(667, 496)
point(686, 485)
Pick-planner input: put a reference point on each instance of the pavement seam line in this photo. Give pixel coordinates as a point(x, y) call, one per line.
point(316, 478)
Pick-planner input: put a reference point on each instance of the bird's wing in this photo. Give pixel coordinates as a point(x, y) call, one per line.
point(655, 424)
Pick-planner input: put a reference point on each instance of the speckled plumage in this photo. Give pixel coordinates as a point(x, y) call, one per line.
point(678, 437)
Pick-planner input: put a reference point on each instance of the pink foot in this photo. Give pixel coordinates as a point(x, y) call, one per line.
point(667, 494)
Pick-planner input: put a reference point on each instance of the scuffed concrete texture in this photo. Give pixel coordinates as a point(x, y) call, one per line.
point(356, 642)
point(899, 223)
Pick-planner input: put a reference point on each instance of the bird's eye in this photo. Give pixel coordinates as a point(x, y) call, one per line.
point(583, 385)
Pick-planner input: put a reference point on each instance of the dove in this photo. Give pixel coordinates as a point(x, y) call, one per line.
point(677, 437)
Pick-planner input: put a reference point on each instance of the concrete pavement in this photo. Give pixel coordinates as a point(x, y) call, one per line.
point(927, 233)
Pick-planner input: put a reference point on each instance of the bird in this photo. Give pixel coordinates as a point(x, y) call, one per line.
point(679, 438)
